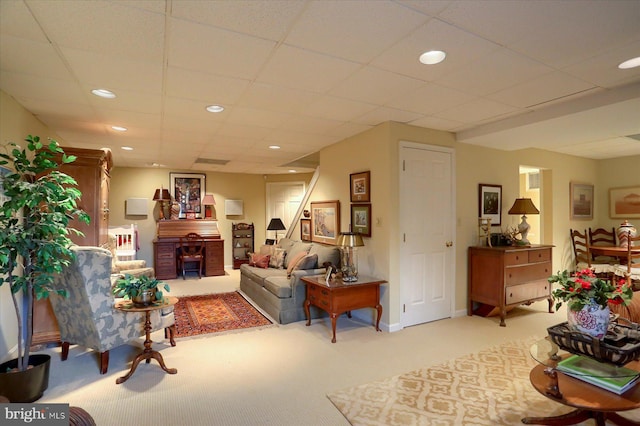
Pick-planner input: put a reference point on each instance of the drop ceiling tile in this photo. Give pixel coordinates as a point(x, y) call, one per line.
point(374, 86)
point(475, 111)
point(268, 19)
point(208, 88)
point(333, 108)
point(429, 99)
point(16, 20)
point(311, 140)
point(276, 98)
point(191, 109)
point(382, 114)
point(299, 69)
point(198, 47)
point(306, 124)
point(325, 26)
point(34, 88)
point(36, 58)
point(258, 117)
point(126, 100)
point(438, 123)
point(242, 131)
point(346, 130)
point(113, 117)
point(539, 90)
point(431, 8)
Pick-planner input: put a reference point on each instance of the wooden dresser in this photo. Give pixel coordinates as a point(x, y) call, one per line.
point(167, 240)
point(504, 277)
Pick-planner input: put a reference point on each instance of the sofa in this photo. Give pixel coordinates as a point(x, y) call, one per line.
point(277, 287)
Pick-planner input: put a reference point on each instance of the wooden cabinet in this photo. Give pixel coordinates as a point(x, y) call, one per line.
point(504, 277)
point(91, 172)
point(242, 243)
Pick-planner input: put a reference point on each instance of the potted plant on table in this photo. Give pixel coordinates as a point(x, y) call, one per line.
point(141, 290)
point(39, 202)
point(588, 297)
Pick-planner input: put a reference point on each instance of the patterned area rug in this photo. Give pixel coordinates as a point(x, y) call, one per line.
point(215, 313)
point(490, 387)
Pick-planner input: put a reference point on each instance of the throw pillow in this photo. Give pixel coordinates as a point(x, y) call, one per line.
point(267, 249)
point(277, 258)
point(294, 261)
point(259, 260)
point(310, 261)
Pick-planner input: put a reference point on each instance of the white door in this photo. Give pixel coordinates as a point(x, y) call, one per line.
point(283, 200)
point(427, 212)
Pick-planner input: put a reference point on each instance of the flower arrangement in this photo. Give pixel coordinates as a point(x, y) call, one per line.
point(584, 287)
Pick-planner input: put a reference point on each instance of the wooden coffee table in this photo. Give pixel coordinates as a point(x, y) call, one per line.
point(589, 401)
point(338, 297)
point(148, 353)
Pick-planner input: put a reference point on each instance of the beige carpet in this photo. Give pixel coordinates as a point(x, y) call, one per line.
point(490, 387)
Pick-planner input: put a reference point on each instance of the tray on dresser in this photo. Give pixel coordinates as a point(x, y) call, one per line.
point(620, 346)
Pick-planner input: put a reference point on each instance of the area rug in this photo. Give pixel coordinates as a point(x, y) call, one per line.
point(490, 387)
point(216, 313)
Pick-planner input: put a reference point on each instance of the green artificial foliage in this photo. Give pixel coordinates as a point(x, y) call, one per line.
point(34, 234)
point(131, 286)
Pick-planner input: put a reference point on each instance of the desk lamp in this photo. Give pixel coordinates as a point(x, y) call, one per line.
point(276, 225)
point(208, 201)
point(523, 206)
point(162, 196)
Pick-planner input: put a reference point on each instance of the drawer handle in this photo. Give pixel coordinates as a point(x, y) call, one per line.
point(312, 298)
point(509, 275)
point(324, 302)
point(325, 292)
point(510, 294)
point(517, 257)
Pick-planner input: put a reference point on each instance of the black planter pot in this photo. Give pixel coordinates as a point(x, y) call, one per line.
point(25, 386)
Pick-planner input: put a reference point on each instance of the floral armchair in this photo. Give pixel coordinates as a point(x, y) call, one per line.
point(88, 317)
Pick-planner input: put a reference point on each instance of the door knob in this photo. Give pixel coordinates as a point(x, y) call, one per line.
point(449, 243)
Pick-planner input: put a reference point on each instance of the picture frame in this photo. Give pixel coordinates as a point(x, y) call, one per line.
point(490, 203)
point(624, 203)
point(360, 187)
point(188, 190)
point(581, 201)
point(305, 229)
point(325, 221)
point(361, 219)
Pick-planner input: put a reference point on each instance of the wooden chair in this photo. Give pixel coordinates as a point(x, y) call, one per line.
point(603, 237)
point(582, 256)
point(631, 269)
point(126, 239)
point(191, 251)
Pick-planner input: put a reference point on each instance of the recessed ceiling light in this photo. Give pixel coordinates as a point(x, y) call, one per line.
point(274, 147)
point(432, 57)
point(631, 63)
point(104, 93)
point(127, 148)
point(119, 128)
point(291, 171)
point(215, 108)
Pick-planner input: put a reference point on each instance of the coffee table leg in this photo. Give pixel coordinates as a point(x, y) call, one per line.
point(333, 326)
point(379, 309)
point(571, 418)
point(307, 303)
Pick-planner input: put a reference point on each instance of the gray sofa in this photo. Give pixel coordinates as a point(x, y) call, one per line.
point(280, 296)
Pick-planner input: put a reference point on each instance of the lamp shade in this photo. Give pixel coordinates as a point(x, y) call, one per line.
point(350, 239)
point(161, 195)
point(208, 200)
point(523, 206)
point(276, 225)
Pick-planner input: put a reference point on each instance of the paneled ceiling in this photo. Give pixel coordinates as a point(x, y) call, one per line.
point(306, 74)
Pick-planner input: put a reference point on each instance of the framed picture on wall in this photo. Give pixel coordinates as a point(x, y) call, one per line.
point(361, 219)
point(490, 203)
point(325, 221)
point(624, 202)
point(188, 190)
point(581, 196)
point(305, 229)
point(360, 187)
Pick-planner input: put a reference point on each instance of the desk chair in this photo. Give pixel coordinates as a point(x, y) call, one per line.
point(603, 237)
point(582, 256)
point(191, 251)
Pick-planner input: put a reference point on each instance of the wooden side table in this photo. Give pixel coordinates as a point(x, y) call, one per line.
point(338, 297)
point(148, 353)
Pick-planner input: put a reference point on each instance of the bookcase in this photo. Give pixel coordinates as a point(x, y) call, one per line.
point(242, 243)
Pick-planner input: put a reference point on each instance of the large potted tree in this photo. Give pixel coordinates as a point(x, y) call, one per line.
point(39, 202)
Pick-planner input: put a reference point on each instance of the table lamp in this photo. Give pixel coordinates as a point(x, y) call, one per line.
point(276, 225)
point(349, 241)
point(208, 201)
point(523, 206)
point(162, 196)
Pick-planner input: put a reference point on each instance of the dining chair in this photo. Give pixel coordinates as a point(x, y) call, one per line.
point(603, 237)
point(631, 270)
point(583, 260)
point(191, 251)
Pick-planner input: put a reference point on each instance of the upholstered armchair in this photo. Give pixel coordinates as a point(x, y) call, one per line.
point(122, 267)
point(88, 317)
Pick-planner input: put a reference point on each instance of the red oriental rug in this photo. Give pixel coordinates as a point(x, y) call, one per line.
point(215, 313)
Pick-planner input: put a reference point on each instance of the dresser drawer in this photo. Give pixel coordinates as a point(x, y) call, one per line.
point(530, 272)
point(536, 256)
point(516, 258)
point(319, 296)
point(524, 292)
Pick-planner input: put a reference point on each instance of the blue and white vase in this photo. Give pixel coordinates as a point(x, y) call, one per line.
point(592, 319)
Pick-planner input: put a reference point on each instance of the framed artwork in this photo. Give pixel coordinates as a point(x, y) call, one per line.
point(360, 187)
point(188, 191)
point(361, 219)
point(624, 202)
point(490, 203)
point(305, 229)
point(581, 196)
point(325, 221)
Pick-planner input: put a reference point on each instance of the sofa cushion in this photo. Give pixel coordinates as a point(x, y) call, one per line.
point(286, 243)
point(258, 275)
point(259, 260)
point(298, 247)
point(277, 258)
point(326, 254)
point(279, 285)
point(267, 249)
point(309, 261)
point(294, 261)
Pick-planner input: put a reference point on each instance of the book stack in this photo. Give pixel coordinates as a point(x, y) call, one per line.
point(606, 376)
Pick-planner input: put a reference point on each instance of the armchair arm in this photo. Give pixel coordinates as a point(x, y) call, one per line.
point(125, 265)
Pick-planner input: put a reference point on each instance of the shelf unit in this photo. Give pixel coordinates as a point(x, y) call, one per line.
point(242, 243)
